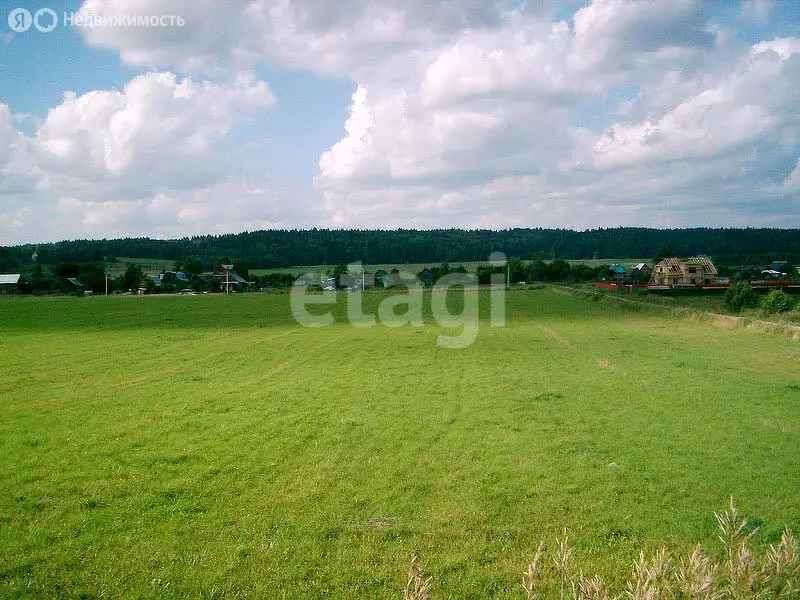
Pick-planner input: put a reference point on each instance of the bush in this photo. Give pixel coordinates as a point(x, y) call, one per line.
point(740, 295)
point(777, 301)
point(794, 317)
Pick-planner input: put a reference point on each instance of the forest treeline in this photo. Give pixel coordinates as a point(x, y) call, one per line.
point(287, 248)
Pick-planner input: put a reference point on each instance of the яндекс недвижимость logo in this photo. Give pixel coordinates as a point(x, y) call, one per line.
point(46, 20)
point(21, 19)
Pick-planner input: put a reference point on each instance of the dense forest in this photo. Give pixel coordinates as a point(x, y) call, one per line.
point(286, 248)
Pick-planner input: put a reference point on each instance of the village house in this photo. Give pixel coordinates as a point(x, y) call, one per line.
point(639, 273)
point(697, 270)
point(617, 272)
point(9, 283)
point(229, 279)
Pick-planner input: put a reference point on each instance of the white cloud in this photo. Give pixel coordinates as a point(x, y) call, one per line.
point(733, 113)
point(158, 132)
point(319, 35)
point(757, 9)
point(480, 132)
point(468, 113)
point(142, 159)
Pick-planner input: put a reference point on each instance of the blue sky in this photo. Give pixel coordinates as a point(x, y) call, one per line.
point(398, 114)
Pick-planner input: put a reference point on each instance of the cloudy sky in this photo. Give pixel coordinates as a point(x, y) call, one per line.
point(396, 113)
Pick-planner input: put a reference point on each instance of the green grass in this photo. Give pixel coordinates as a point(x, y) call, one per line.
point(207, 446)
point(150, 266)
point(368, 268)
point(626, 262)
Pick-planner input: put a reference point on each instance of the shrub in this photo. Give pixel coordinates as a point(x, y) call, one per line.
point(777, 301)
point(740, 295)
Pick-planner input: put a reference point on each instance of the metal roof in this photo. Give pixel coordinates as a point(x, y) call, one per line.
point(10, 279)
point(236, 277)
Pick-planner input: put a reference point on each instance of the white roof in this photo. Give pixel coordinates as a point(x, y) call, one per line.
point(11, 279)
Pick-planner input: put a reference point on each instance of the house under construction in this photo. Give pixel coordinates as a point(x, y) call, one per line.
point(672, 272)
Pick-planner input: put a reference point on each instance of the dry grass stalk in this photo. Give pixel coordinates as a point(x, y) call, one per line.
point(742, 573)
point(732, 526)
point(651, 579)
point(781, 568)
point(530, 578)
point(696, 576)
point(591, 589)
point(418, 586)
point(563, 560)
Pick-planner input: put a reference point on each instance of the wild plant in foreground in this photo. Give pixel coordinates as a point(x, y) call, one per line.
point(781, 569)
point(740, 576)
point(651, 579)
point(530, 578)
point(742, 572)
point(695, 576)
point(593, 588)
point(562, 561)
point(418, 586)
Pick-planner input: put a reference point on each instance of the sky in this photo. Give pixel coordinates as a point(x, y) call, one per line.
point(171, 118)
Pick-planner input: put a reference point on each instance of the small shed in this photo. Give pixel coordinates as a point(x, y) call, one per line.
point(10, 283)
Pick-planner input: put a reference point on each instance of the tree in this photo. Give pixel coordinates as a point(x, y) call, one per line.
point(665, 252)
point(238, 265)
point(516, 270)
point(537, 270)
point(67, 269)
point(777, 301)
point(558, 270)
point(93, 277)
point(132, 277)
point(190, 265)
point(739, 296)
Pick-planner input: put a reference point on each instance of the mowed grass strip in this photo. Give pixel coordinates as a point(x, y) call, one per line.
point(207, 446)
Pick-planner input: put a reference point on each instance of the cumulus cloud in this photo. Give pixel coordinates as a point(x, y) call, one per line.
point(158, 132)
point(141, 159)
point(483, 132)
point(470, 113)
point(319, 35)
point(735, 112)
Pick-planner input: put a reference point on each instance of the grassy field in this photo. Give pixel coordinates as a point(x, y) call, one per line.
point(209, 447)
point(150, 266)
point(368, 268)
point(470, 266)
